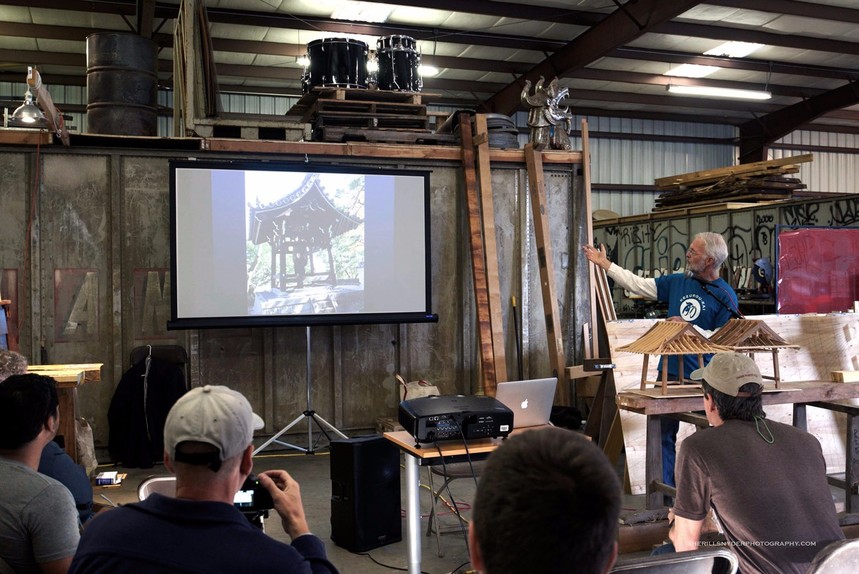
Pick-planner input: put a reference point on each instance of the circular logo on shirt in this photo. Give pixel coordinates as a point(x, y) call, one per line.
point(690, 308)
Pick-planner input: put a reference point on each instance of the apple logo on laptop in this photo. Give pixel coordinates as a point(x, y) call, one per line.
point(524, 404)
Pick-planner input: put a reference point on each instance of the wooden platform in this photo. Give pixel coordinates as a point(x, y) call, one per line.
point(340, 134)
point(303, 108)
point(247, 127)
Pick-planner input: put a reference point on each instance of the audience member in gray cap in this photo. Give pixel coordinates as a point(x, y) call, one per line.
point(766, 481)
point(208, 445)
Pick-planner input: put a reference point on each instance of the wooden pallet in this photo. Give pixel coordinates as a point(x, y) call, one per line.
point(340, 134)
point(370, 120)
point(262, 127)
point(302, 109)
point(324, 106)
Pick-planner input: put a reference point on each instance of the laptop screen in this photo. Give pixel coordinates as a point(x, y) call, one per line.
point(530, 400)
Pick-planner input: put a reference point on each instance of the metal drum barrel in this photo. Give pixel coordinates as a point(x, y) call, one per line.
point(122, 84)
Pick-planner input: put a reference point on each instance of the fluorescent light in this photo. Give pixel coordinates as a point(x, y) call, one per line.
point(691, 71)
point(709, 91)
point(734, 49)
point(363, 12)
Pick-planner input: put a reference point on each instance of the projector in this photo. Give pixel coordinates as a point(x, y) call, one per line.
point(449, 417)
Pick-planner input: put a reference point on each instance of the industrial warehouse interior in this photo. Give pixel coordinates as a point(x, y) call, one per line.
point(342, 209)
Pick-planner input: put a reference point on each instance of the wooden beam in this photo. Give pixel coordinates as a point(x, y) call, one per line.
point(478, 259)
point(493, 286)
point(557, 361)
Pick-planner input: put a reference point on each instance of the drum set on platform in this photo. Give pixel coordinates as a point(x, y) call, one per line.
point(343, 63)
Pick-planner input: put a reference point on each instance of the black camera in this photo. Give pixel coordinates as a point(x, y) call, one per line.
point(253, 496)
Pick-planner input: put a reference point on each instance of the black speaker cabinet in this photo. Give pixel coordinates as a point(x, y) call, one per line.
point(365, 493)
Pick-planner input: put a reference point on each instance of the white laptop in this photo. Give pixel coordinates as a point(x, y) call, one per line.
point(531, 400)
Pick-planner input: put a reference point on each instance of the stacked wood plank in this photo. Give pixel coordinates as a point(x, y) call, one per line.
point(746, 183)
point(382, 116)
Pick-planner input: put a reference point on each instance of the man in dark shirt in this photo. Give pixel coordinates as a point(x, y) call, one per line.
point(208, 445)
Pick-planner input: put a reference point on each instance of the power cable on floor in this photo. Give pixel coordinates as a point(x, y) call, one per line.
point(370, 556)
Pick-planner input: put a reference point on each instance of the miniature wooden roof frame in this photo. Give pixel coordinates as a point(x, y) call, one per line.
point(751, 336)
point(671, 338)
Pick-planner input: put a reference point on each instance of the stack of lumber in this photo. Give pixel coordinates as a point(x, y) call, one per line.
point(757, 182)
point(352, 114)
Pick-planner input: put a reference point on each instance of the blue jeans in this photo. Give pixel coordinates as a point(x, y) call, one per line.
point(669, 440)
point(667, 548)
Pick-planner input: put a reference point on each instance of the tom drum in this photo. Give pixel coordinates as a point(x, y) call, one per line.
point(336, 62)
point(398, 60)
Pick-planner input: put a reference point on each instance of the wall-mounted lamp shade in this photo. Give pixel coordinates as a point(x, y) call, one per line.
point(708, 91)
point(29, 114)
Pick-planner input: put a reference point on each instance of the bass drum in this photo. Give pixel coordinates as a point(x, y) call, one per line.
point(398, 60)
point(336, 63)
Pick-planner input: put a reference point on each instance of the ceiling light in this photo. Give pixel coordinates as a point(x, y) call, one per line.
point(709, 91)
point(363, 12)
point(29, 114)
point(691, 71)
point(427, 71)
point(734, 49)
point(303, 61)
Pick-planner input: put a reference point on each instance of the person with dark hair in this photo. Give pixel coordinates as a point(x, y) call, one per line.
point(766, 481)
point(54, 462)
point(548, 501)
point(11, 363)
point(208, 444)
point(38, 521)
point(698, 295)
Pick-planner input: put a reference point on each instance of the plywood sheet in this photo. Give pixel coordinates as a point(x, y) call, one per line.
point(826, 343)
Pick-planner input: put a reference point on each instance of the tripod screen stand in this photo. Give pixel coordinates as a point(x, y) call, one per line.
point(309, 414)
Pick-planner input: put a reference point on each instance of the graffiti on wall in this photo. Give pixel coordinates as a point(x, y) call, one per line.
point(656, 247)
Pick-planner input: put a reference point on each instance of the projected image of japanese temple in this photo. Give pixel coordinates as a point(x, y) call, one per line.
point(306, 254)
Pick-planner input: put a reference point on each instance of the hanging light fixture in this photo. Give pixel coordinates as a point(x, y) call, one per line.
point(29, 114)
point(711, 91)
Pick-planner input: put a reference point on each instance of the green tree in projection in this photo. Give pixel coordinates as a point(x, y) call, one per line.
point(259, 264)
point(348, 247)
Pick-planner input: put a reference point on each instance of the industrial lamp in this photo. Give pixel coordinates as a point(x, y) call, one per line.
point(29, 113)
point(710, 91)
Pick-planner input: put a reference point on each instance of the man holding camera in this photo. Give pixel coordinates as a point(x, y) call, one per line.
point(208, 446)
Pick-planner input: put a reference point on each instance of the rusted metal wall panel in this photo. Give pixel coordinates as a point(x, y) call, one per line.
point(16, 188)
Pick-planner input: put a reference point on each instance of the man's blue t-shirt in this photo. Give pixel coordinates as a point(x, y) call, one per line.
point(687, 298)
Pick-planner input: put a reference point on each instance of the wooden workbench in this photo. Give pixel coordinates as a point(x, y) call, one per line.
point(826, 343)
point(69, 378)
point(821, 394)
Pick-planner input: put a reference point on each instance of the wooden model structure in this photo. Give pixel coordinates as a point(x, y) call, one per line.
point(671, 338)
point(752, 336)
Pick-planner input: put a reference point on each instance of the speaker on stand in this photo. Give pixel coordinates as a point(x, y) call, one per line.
point(365, 493)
